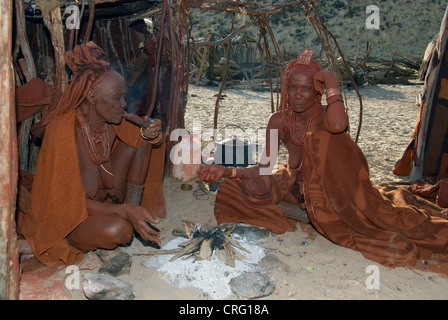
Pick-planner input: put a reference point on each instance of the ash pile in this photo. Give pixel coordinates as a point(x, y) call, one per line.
point(220, 261)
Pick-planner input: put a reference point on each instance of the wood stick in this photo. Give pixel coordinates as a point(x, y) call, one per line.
point(223, 82)
point(53, 22)
point(124, 47)
point(112, 47)
point(30, 72)
point(204, 55)
point(155, 253)
point(90, 23)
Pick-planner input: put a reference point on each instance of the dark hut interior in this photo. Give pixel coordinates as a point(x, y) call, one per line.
point(119, 27)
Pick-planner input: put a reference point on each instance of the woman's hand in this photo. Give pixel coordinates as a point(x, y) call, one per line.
point(325, 79)
point(138, 217)
point(335, 120)
point(153, 130)
point(211, 173)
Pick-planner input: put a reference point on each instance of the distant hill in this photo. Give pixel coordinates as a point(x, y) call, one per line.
point(404, 25)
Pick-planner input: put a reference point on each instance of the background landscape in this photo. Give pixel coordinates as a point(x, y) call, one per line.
point(406, 26)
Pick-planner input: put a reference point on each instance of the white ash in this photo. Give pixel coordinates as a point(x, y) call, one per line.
point(211, 276)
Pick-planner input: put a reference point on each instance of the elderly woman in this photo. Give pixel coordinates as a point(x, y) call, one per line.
point(98, 177)
point(327, 175)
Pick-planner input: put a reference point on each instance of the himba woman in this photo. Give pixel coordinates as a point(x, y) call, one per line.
point(98, 177)
point(327, 174)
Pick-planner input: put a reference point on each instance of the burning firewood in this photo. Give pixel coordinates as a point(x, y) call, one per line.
point(205, 242)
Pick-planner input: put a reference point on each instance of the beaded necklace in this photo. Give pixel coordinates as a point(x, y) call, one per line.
point(297, 130)
point(98, 149)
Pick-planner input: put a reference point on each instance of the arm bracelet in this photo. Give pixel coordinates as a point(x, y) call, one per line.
point(333, 92)
point(156, 139)
point(334, 102)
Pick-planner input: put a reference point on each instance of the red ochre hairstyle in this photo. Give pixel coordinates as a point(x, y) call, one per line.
point(305, 60)
point(89, 66)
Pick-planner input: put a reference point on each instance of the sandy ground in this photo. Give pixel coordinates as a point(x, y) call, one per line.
point(302, 264)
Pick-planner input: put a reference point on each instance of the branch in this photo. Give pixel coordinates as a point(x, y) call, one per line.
point(228, 38)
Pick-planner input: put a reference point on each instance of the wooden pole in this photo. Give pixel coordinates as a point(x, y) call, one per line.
point(90, 22)
point(203, 57)
point(9, 261)
point(53, 22)
point(29, 70)
point(112, 48)
point(223, 80)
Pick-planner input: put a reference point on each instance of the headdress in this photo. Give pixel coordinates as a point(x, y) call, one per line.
point(305, 60)
point(89, 65)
